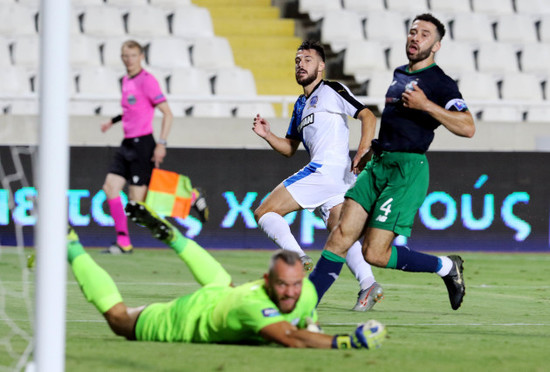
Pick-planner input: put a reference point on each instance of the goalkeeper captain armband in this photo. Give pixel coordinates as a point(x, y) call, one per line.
point(344, 342)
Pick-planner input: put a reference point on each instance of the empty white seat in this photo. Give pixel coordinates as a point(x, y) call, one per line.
point(168, 53)
point(533, 7)
point(544, 28)
point(86, 3)
point(497, 58)
point(362, 6)
point(407, 7)
point(501, 114)
point(14, 80)
point(211, 110)
point(522, 87)
point(189, 81)
point(317, 9)
point(473, 27)
point(126, 3)
point(249, 110)
point(26, 51)
point(99, 81)
point(102, 21)
point(5, 55)
point(455, 57)
point(363, 58)
point(397, 55)
point(191, 22)
point(170, 4)
point(450, 6)
point(478, 86)
point(493, 7)
point(147, 21)
point(18, 20)
point(385, 26)
point(212, 53)
point(378, 84)
point(535, 57)
point(516, 28)
point(339, 28)
point(84, 52)
point(538, 114)
point(234, 81)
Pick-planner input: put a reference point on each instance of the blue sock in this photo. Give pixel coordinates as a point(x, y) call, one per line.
point(326, 271)
point(403, 258)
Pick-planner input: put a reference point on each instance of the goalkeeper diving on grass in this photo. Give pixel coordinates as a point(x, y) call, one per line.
point(278, 308)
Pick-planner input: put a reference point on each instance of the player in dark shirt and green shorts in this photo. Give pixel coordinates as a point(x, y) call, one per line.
point(393, 185)
point(278, 308)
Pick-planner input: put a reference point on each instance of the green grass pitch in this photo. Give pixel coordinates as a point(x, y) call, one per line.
point(503, 324)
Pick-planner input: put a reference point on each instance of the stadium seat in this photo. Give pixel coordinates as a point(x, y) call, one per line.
point(102, 21)
point(249, 110)
point(363, 7)
point(378, 85)
point(408, 8)
point(212, 53)
point(449, 7)
point(86, 3)
point(15, 80)
point(169, 4)
point(189, 81)
point(501, 113)
point(473, 27)
point(18, 20)
point(168, 53)
point(234, 81)
point(493, 7)
point(516, 28)
point(363, 58)
point(5, 54)
point(147, 21)
point(478, 86)
point(341, 27)
point(127, 4)
point(317, 9)
point(98, 81)
point(385, 27)
point(522, 87)
point(26, 51)
point(497, 58)
point(110, 50)
point(533, 7)
point(84, 51)
point(212, 110)
point(191, 22)
point(534, 59)
point(396, 55)
point(538, 114)
point(544, 29)
point(456, 58)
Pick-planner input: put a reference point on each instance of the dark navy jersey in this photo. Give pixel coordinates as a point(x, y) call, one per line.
point(407, 130)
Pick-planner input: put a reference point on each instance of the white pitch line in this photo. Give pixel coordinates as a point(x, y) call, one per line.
point(448, 324)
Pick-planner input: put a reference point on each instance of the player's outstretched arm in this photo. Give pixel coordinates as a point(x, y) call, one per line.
point(284, 146)
point(367, 335)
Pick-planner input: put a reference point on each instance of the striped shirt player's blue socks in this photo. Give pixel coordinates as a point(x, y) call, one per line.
point(326, 271)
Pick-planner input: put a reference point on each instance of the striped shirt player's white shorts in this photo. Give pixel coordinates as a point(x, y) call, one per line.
point(320, 187)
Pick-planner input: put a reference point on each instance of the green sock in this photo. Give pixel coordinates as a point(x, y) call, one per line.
point(203, 266)
point(392, 262)
point(96, 284)
point(332, 256)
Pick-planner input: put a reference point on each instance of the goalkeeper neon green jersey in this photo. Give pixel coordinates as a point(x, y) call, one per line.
point(222, 315)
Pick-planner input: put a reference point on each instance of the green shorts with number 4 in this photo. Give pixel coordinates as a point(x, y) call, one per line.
point(391, 188)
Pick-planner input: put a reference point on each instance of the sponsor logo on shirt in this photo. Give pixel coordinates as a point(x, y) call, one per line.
point(132, 100)
point(313, 101)
point(270, 312)
point(305, 122)
point(160, 96)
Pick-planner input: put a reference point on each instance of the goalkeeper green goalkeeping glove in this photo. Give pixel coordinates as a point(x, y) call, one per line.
point(367, 335)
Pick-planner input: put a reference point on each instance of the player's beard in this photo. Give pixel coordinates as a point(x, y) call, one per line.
point(305, 81)
point(420, 55)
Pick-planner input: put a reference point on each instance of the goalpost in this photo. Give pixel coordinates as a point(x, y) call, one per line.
point(53, 159)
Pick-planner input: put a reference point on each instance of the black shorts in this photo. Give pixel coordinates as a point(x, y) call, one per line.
point(133, 160)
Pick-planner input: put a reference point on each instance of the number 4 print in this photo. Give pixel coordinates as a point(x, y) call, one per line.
point(386, 208)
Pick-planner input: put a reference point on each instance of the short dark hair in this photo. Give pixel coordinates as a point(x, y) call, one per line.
point(428, 17)
point(315, 45)
point(288, 257)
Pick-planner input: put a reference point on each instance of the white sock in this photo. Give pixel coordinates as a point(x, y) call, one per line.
point(359, 267)
point(277, 229)
point(446, 266)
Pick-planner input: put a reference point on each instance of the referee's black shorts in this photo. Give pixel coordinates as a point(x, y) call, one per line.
point(133, 160)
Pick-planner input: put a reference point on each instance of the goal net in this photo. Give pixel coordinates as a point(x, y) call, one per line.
point(16, 281)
